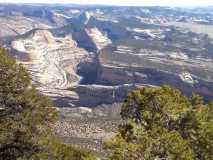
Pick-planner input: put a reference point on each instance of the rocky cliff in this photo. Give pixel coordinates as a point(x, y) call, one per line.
point(52, 60)
point(95, 95)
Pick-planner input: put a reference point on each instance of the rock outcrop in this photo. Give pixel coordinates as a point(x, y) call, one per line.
point(52, 60)
point(122, 64)
point(101, 40)
point(94, 95)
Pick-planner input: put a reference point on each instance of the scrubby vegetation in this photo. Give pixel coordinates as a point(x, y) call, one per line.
point(162, 124)
point(25, 116)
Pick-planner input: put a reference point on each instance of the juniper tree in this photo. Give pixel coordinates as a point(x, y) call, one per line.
point(162, 124)
point(25, 116)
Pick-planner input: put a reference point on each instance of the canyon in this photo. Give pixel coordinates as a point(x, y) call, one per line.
point(88, 58)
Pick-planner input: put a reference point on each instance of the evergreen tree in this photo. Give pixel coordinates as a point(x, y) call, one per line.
point(162, 124)
point(25, 116)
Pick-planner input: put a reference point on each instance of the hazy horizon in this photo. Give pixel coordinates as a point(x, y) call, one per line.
point(179, 3)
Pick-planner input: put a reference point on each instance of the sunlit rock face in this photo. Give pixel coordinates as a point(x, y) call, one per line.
point(101, 40)
point(53, 60)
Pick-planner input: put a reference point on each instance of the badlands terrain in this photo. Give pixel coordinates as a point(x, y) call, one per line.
point(87, 58)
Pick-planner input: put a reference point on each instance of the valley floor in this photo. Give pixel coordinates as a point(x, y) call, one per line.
point(86, 131)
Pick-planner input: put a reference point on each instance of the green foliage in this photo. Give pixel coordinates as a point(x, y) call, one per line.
point(161, 123)
point(25, 116)
point(58, 151)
